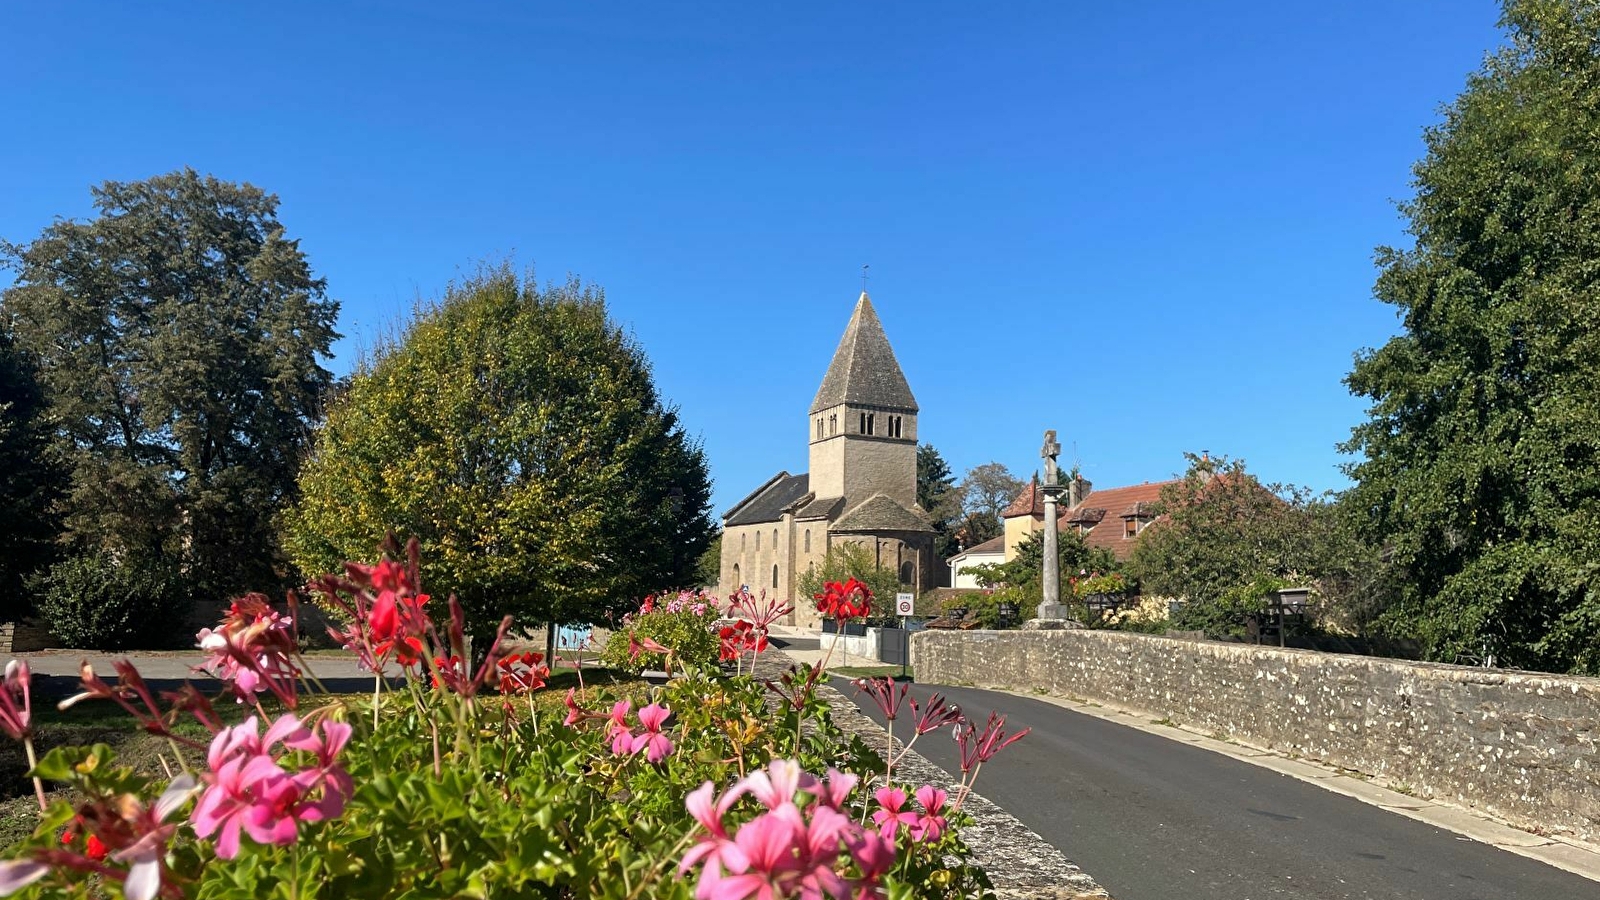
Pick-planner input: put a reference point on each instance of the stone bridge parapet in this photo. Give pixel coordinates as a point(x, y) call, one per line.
point(1518, 745)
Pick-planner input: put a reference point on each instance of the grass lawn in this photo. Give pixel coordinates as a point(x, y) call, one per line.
point(103, 722)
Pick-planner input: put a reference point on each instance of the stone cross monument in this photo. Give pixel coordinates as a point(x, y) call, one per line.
point(1052, 607)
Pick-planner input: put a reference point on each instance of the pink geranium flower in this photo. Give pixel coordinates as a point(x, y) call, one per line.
point(657, 746)
point(248, 790)
point(617, 729)
point(16, 706)
point(786, 851)
point(930, 825)
point(891, 813)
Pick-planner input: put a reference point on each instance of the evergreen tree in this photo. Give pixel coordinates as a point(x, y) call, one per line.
point(939, 498)
point(30, 483)
point(1480, 470)
point(517, 433)
point(178, 338)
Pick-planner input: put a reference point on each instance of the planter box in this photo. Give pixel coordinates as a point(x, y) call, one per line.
point(861, 648)
point(829, 626)
point(855, 629)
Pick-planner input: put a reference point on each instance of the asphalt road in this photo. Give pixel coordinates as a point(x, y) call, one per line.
point(1155, 819)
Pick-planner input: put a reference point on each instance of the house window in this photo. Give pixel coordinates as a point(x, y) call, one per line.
point(774, 577)
point(1130, 527)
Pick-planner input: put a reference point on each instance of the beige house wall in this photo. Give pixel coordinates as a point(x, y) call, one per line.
point(1019, 529)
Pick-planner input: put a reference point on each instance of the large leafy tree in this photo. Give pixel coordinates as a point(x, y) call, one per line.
point(938, 495)
point(985, 493)
point(517, 433)
point(178, 337)
point(30, 483)
point(1480, 474)
point(1221, 530)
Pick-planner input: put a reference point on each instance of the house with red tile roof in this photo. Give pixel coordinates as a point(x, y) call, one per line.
point(1109, 518)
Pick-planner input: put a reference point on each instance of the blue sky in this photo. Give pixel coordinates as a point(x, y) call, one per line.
point(1147, 225)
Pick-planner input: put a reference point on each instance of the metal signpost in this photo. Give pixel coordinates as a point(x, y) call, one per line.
point(905, 604)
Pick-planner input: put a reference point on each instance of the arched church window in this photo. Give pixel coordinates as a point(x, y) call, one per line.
point(774, 577)
point(758, 540)
point(741, 542)
point(774, 539)
point(736, 582)
point(808, 540)
point(905, 573)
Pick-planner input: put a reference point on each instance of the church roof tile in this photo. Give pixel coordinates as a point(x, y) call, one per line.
point(768, 502)
point(864, 370)
point(880, 512)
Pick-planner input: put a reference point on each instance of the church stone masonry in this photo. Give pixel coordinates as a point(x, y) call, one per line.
point(862, 487)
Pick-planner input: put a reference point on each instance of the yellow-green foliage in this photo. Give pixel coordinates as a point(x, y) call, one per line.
point(515, 431)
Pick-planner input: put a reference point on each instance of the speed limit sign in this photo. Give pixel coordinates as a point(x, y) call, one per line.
point(904, 604)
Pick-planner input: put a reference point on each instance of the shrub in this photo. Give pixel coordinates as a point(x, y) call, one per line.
point(683, 624)
point(93, 603)
point(443, 787)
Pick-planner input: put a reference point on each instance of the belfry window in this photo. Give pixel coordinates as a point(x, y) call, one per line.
point(869, 423)
point(833, 424)
point(819, 426)
point(862, 427)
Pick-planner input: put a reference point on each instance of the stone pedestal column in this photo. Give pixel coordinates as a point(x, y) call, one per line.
point(1052, 607)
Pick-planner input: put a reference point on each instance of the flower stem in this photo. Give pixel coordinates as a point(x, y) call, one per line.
point(33, 763)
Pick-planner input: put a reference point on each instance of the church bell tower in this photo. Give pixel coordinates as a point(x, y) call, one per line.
point(863, 422)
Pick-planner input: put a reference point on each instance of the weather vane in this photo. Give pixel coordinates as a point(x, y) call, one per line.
point(863, 279)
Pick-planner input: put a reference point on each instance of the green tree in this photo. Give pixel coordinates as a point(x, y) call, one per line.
point(517, 433)
point(1221, 530)
point(708, 570)
point(1480, 468)
point(985, 493)
point(938, 496)
point(178, 337)
point(30, 482)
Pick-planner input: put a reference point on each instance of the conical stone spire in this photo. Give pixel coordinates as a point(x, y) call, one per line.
point(864, 370)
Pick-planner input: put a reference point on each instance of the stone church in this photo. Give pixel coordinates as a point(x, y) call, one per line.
point(862, 487)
